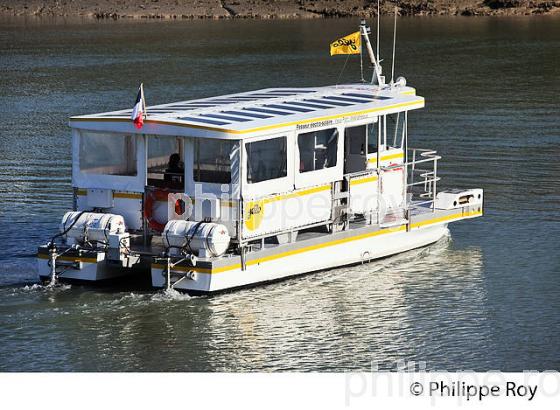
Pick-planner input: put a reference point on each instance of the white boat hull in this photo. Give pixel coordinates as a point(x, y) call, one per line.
point(82, 269)
point(307, 259)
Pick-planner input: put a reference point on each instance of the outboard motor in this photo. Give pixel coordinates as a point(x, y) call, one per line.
point(203, 239)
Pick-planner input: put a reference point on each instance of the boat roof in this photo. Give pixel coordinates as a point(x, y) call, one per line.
point(260, 112)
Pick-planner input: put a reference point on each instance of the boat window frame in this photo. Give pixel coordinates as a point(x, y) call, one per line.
point(85, 180)
point(324, 175)
point(314, 149)
point(270, 186)
point(129, 143)
point(248, 167)
point(196, 150)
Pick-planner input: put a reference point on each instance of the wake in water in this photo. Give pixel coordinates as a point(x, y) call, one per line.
point(169, 295)
point(39, 287)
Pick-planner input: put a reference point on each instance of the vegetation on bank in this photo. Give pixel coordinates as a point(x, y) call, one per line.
point(176, 9)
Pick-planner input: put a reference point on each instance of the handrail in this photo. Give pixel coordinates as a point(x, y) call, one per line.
point(427, 175)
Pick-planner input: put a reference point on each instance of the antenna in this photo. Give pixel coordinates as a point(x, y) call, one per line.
point(378, 18)
point(394, 46)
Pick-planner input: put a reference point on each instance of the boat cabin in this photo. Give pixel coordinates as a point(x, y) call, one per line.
point(264, 163)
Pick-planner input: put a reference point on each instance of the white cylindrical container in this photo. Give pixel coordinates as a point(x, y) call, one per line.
point(204, 239)
point(94, 227)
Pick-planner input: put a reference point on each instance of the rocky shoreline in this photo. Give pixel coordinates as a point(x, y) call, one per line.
point(269, 9)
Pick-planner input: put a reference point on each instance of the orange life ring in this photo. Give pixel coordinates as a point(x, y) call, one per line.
point(159, 195)
point(151, 197)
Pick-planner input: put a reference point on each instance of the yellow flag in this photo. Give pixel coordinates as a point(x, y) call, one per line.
point(347, 45)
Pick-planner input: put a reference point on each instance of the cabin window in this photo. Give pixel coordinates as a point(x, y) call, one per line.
point(165, 162)
point(266, 160)
point(317, 149)
point(212, 160)
point(395, 128)
point(107, 153)
point(356, 138)
point(372, 130)
point(355, 149)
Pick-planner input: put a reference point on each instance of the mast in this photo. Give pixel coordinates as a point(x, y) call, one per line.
point(364, 30)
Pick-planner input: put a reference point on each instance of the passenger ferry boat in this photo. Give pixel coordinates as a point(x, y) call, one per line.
point(230, 191)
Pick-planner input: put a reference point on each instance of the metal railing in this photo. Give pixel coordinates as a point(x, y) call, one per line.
point(422, 177)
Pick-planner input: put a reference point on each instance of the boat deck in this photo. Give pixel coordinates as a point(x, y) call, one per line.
point(421, 215)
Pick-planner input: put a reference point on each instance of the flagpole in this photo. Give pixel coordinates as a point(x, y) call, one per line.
point(143, 100)
point(361, 56)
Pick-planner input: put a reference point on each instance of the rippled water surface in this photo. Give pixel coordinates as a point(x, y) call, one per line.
point(487, 297)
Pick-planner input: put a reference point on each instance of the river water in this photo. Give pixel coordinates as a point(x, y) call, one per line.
point(487, 297)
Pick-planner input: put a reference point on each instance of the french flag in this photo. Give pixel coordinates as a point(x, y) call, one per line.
point(139, 108)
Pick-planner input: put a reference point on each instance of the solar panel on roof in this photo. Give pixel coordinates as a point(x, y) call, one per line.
point(197, 105)
point(306, 104)
point(243, 97)
point(248, 114)
point(354, 100)
point(224, 101)
point(268, 111)
point(226, 117)
point(371, 97)
point(291, 91)
point(323, 101)
point(204, 120)
point(328, 100)
point(276, 95)
point(288, 107)
point(259, 96)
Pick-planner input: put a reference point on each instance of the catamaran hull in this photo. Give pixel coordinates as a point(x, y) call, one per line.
point(307, 254)
point(326, 254)
point(88, 269)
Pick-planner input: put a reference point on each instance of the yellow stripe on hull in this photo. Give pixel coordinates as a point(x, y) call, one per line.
point(325, 245)
point(399, 155)
point(69, 258)
point(362, 181)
